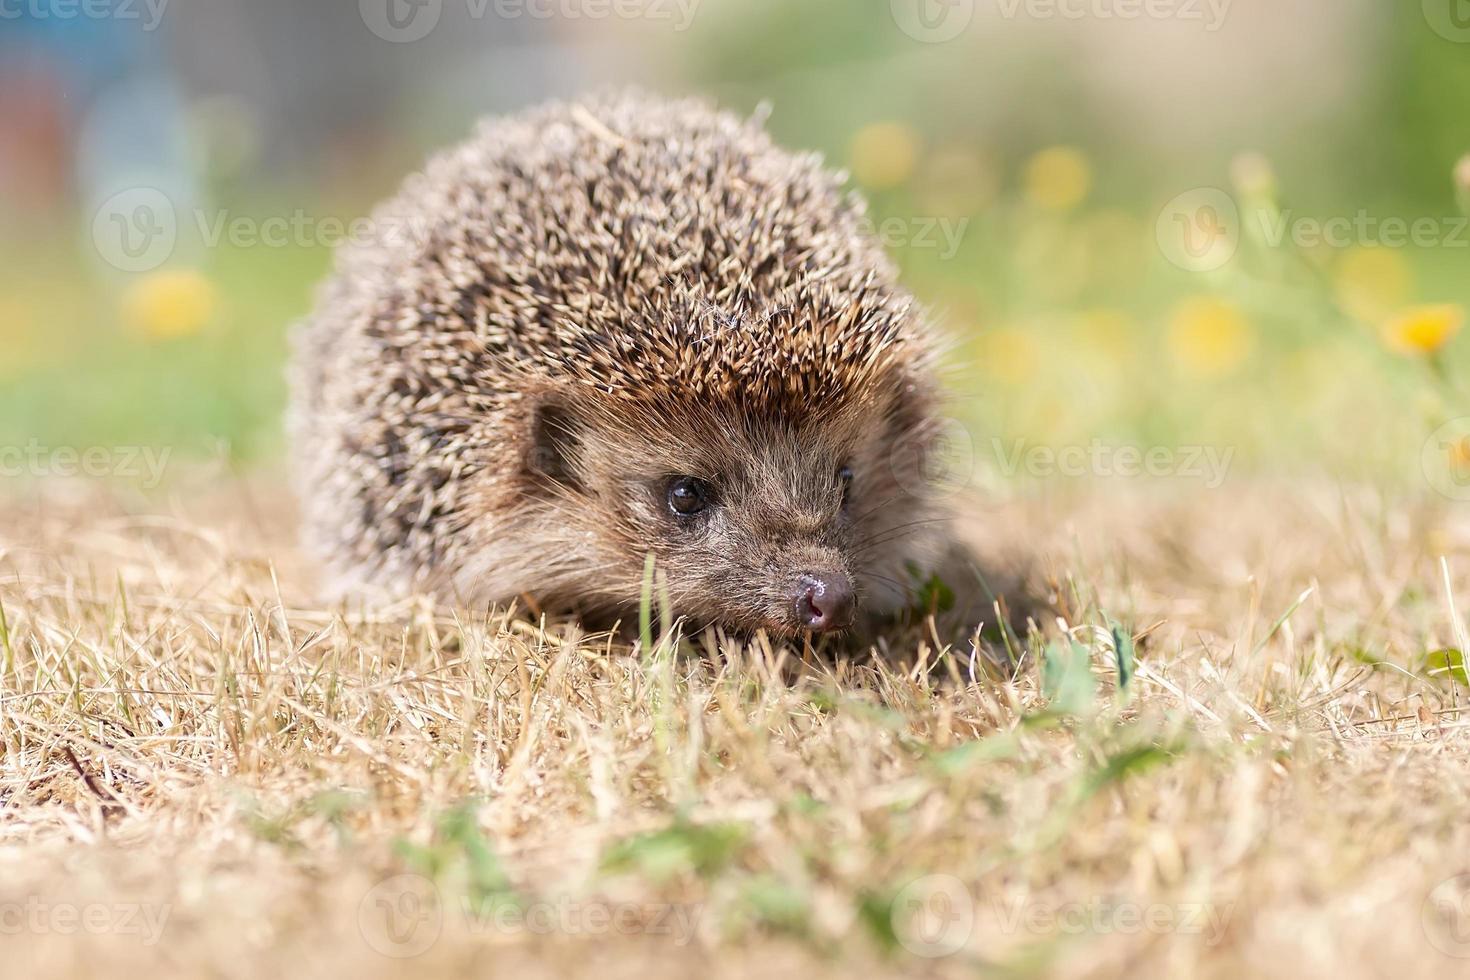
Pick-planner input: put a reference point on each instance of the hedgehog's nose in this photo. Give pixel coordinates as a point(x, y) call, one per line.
point(824, 602)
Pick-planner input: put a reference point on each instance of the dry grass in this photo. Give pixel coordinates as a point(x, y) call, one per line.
point(189, 743)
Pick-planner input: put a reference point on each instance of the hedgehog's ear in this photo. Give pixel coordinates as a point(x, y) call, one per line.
point(555, 442)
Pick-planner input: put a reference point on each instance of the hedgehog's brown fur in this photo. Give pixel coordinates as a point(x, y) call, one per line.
point(579, 302)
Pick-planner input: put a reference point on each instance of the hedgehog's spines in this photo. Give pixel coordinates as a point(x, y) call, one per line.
point(659, 256)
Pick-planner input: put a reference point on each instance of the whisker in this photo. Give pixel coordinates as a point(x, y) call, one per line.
point(889, 535)
point(859, 518)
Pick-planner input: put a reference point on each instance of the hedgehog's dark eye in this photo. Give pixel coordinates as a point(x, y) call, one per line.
point(688, 495)
point(844, 480)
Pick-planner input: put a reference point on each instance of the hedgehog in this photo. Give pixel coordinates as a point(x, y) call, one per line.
point(615, 331)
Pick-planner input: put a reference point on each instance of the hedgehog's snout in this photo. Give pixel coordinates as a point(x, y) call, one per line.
point(824, 602)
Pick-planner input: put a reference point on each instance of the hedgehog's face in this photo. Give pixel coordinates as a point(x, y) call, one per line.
point(753, 543)
point(753, 522)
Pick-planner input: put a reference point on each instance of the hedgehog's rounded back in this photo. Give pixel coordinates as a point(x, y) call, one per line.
point(612, 328)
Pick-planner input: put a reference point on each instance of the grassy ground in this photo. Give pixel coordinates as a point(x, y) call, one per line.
point(207, 772)
point(204, 773)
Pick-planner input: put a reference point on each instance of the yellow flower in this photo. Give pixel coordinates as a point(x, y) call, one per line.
point(170, 303)
point(1423, 329)
point(1372, 281)
point(1459, 452)
point(1456, 462)
point(17, 336)
point(1058, 179)
point(1209, 337)
point(884, 154)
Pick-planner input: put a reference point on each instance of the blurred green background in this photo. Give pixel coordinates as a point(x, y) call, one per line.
point(1043, 176)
